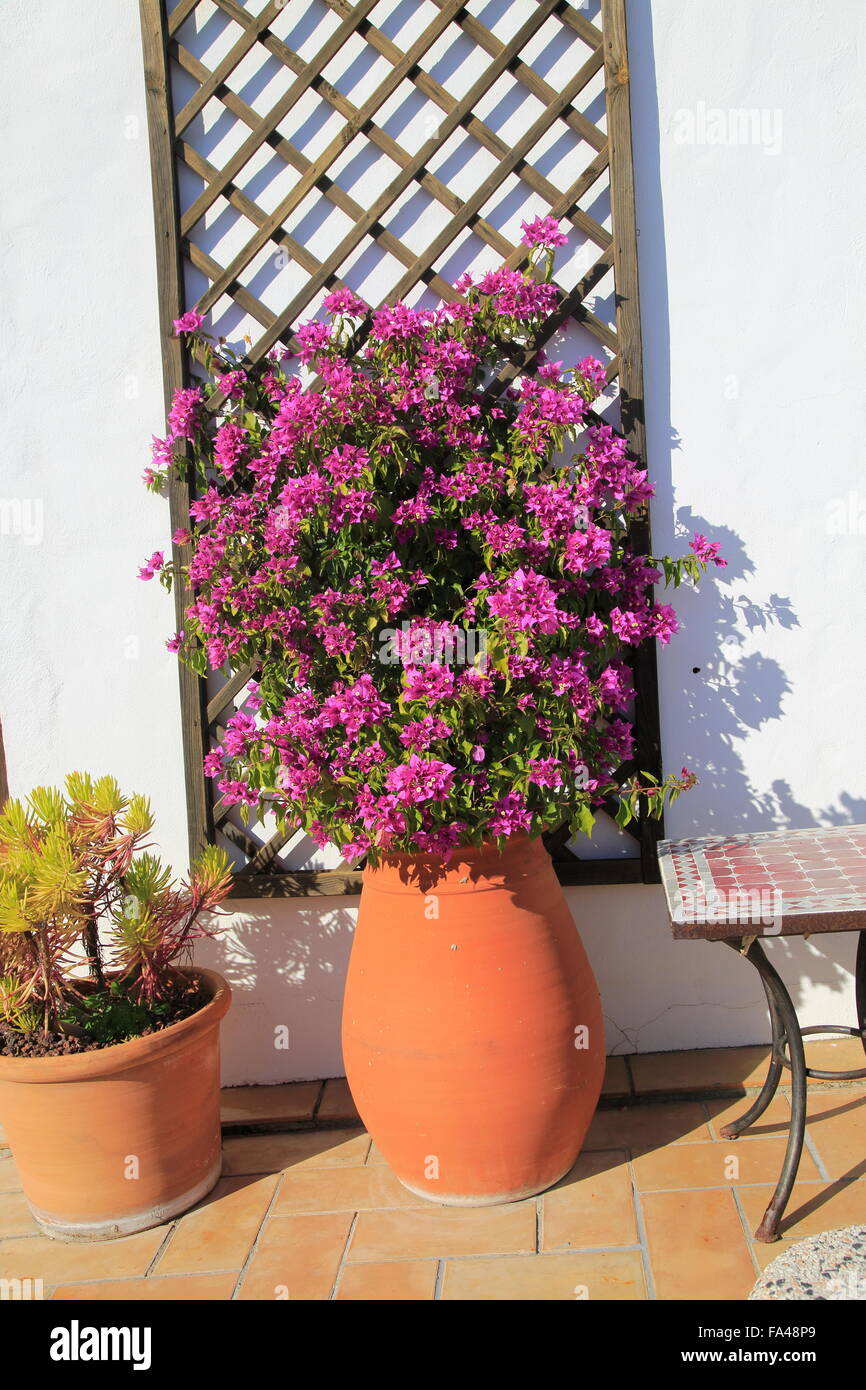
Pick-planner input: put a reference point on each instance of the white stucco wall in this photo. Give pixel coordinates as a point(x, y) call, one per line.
point(752, 296)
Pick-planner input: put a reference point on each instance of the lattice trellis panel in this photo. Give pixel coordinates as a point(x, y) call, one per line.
point(388, 146)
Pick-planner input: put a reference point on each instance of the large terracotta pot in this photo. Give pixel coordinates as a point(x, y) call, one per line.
point(472, 1027)
point(123, 1138)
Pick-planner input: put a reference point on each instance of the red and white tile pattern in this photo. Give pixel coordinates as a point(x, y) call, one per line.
point(778, 882)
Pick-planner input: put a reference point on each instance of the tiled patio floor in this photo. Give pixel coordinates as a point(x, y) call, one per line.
point(658, 1206)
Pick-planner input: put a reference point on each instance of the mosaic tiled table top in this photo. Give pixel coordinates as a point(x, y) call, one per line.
point(771, 883)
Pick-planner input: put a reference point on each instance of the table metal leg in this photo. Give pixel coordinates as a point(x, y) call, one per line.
point(786, 1032)
point(860, 987)
point(774, 1075)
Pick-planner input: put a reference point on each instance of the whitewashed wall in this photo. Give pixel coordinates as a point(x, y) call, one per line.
point(752, 296)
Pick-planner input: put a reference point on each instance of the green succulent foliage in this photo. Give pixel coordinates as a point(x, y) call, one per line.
point(15, 1008)
point(210, 871)
point(75, 871)
point(146, 879)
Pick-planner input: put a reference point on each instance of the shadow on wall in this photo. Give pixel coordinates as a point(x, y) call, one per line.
point(286, 962)
point(726, 693)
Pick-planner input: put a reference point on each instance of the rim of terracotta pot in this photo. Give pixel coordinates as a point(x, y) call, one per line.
point(103, 1061)
point(521, 855)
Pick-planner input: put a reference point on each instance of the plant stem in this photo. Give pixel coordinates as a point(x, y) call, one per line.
point(90, 941)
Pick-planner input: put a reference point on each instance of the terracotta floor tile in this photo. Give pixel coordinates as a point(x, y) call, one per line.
point(61, 1262)
point(697, 1246)
point(297, 1257)
point(180, 1287)
point(268, 1153)
point(396, 1281)
point(343, 1189)
point(443, 1231)
point(375, 1155)
point(724, 1069)
point(4, 1143)
point(15, 1217)
point(337, 1102)
point(773, 1123)
point(607, 1275)
point(712, 1165)
point(648, 1126)
point(9, 1179)
point(218, 1234)
point(259, 1105)
point(813, 1207)
point(836, 1124)
point(834, 1054)
point(616, 1078)
point(592, 1206)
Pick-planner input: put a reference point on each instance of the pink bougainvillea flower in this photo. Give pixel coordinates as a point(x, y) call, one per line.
point(708, 551)
point(344, 302)
point(543, 231)
point(152, 566)
point(189, 322)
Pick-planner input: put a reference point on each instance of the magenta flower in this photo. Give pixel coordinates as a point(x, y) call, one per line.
point(543, 231)
point(708, 551)
point(183, 418)
point(344, 302)
point(152, 566)
point(189, 322)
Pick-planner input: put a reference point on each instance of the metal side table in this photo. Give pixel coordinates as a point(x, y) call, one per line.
point(742, 889)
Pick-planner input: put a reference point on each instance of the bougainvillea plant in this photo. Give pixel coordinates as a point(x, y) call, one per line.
point(79, 886)
point(435, 598)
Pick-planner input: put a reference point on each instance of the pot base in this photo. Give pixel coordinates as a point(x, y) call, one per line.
point(497, 1199)
point(84, 1231)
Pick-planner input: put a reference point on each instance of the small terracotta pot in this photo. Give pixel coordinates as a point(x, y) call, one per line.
point(472, 1027)
point(123, 1138)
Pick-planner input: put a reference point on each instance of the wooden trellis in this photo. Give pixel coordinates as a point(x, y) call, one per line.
point(599, 52)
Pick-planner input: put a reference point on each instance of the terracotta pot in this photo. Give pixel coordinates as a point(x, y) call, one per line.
point(473, 1039)
point(123, 1138)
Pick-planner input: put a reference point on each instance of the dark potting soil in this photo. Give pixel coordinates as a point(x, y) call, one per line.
point(187, 999)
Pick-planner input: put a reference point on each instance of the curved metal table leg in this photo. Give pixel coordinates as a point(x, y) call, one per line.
point(860, 987)
point(786, 1029)
point(774, 1075)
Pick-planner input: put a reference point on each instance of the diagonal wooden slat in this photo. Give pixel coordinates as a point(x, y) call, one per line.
point(398, 185)
point(278, 113)
point(372, 132)
point(224, 70)
point(331, 191)
point(211, 268)
point(474, 29)
point(499, 175)
point(179, 15)
point(473, 126)
point(328, 156)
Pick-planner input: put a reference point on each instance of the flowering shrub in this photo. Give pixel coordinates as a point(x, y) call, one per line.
point(351, 533)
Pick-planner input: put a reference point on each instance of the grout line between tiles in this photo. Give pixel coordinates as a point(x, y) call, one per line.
point(341, 1264)
point(809, 1143)
point(439, 1281)
point(642, 1237)
point(255, 1242)
point(161, 1249)
point(747, 1232)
